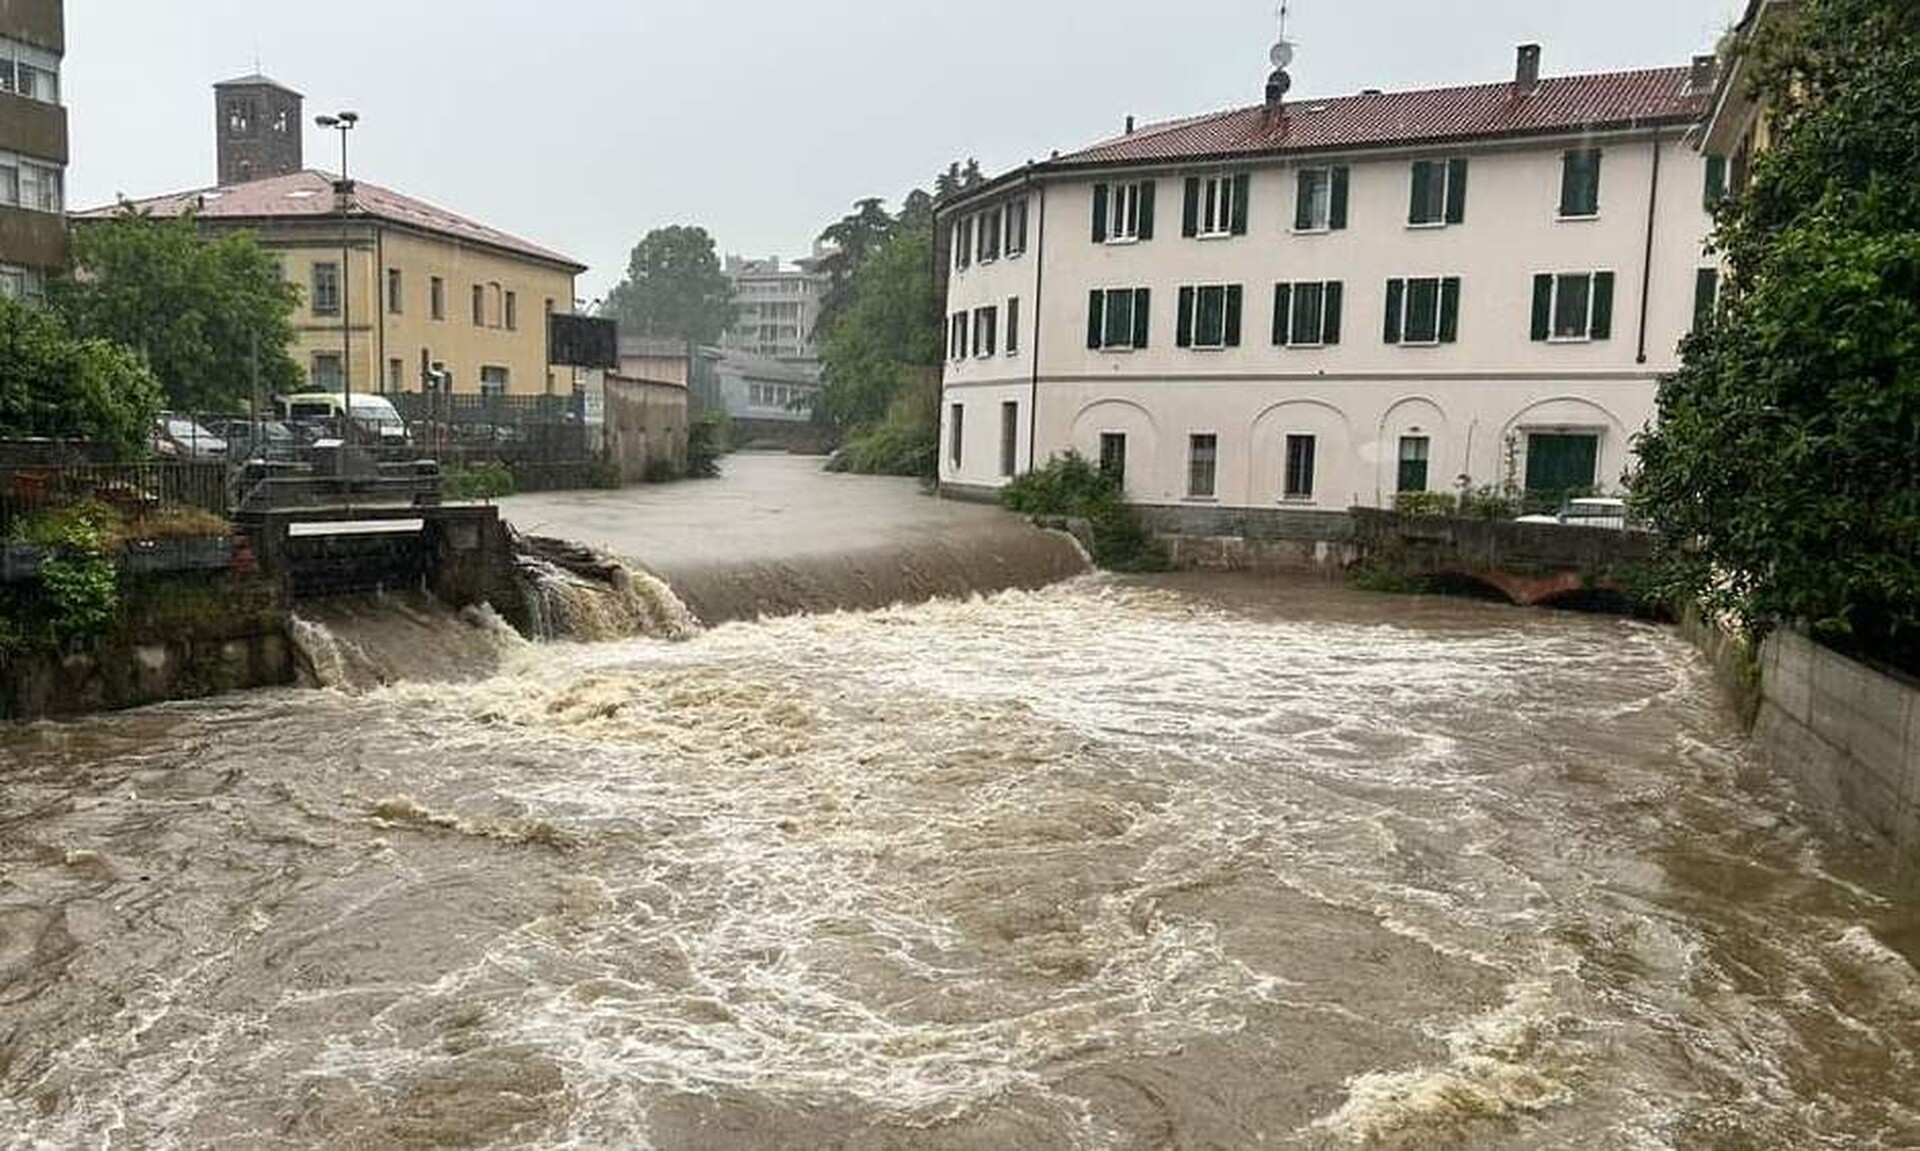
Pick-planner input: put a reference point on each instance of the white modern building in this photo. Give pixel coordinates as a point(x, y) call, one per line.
point(1319, 303)
point(777, 307)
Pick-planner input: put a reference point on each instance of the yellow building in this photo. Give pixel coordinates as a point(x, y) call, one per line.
point(393, 283)
point(1739, 126)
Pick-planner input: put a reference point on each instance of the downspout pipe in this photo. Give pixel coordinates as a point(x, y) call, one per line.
point(1646, 265)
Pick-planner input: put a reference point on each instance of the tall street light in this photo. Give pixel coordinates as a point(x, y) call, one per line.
point(343, 123)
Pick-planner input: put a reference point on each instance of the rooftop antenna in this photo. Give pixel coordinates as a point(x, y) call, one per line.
point(1281, 55)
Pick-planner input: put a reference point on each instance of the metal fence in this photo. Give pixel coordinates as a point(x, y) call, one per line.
point(132, 489)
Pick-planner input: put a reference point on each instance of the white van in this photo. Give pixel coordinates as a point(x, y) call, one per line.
point(374, 415)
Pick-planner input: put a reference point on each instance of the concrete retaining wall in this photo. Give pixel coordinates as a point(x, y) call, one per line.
point(1848, 734)
point(180, 637)
point(1204, 538)
point(646, 427)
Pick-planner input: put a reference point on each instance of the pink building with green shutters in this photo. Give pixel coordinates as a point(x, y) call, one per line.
point(1316, 304)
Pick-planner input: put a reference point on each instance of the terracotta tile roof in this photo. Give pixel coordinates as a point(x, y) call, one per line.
point(1556, 104)
point(309, 194)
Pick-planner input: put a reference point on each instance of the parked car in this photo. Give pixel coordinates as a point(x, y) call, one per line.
point(265, 439)
point(1587, 512)
point(179, 438)
point(375, 416)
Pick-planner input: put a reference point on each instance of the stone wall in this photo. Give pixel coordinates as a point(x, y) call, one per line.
point(1207, 538)
point(646, 427)
point(1848, 734)
point(180, 637)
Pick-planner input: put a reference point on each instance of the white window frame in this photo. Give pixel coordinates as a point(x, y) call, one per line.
point(1293, 314)
point(1007, 230)
point(14, 53)
point(1106, 326)
point(34, 180)
point(1010, 337)
point(1123, 212)
point(10, 196)
point(1212, 495)
point(1553, 309)
point(987, 316)
point(499, 387)
point(980, 255)
point(1325, 173)
point(1444, 182)
point(1214, 216)
point(1198, 344)
point(1406, 310)
point(1286, 467)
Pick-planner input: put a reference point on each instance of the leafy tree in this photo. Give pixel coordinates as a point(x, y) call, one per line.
point(852, 239)
point(197, 308)
point(882, 342)
point(1785, 468)
point(957, 178)
point(674, 288)
point(52, 384)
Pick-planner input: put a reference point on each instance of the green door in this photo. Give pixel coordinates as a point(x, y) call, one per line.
point(1561, 464)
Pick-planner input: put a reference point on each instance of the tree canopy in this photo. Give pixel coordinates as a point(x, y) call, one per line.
point(1784, 471)
point(54, 384)
point(674, 288)
point(881, 330)
point(196, 307)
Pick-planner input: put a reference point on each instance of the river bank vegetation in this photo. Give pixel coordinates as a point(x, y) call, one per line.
point(881, 331)
point(1072, 488)
point(1784, 472)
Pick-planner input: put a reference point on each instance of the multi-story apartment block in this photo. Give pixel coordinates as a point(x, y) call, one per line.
point(388, 284)
point(33, 145)
point(1322, 303)
point(777, 308)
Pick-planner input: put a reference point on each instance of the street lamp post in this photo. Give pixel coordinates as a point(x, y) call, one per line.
point(343, 123)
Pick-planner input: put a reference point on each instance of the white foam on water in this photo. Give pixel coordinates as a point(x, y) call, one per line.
point(1505, 1062)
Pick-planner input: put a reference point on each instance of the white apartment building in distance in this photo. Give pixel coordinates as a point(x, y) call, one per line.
point(1320, 303)
point(777, 306)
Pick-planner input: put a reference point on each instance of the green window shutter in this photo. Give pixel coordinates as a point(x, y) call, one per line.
point(1100, 193)
point(1449, 309)
point(1183, 334)
point(1234, 300)
point(1716, 182)
point(1330, 325)
point(1146, 209)
point(1142, 297)
point(1422, 190)
point(1602, 327)
point(1096, 318)
point(1242, 189)
point(1396, 301)
point(1593, 181)
point(1301, 201)
point(1282, 310)
point(1569, 178)
point(1457, 191)
point(1337, 208)
point(1706, 294)
point(1542, 306)
point(1190, 216)
point(1580, 182)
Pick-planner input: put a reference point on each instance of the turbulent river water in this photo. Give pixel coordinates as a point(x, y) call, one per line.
point(1184, 863)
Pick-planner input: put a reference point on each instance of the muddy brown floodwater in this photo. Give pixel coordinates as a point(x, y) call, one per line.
point(1185, 863)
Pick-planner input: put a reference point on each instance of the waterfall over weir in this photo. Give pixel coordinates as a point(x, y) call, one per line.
point(575, 593)
point(571, 593)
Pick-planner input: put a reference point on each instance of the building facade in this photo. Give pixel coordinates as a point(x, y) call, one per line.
point(777, 307)
point(33, 145)
point(390, 286)
point(1320, 304)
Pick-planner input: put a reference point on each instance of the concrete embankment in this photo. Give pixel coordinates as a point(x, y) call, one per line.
point(1847, 734)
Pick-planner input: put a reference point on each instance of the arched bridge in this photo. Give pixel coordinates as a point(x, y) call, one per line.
point(1527, 563)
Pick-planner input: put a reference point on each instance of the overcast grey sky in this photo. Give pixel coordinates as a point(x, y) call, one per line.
point(581, 125)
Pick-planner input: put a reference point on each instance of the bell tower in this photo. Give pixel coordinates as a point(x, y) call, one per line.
point(257, 129)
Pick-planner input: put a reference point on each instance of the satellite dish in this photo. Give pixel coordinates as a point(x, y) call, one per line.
point(1282, 54)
